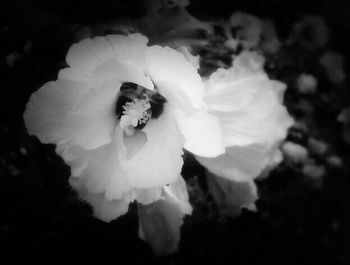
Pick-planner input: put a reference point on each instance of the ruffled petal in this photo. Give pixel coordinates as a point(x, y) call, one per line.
point(231, 196)
point(69, 111)
point(156, 157)
point(106, 210)
point(160, 222)
point(131, 48)
point(103, 209)
point(89, 53)
point(74, 156)
point(177, 193)
point(202, 132)
point(75, 74)
point(91, 123)
point(167, 65)
point(248, 104)
point(128, 52)
point(148, 196)
point(119, 71)
point(233, 97)
point(250, 108)
point(176, 98)
point(47, 108)
point(239, 163)
point(253, 119)
point(99, 180)
point(264, 121)
point(98, 170)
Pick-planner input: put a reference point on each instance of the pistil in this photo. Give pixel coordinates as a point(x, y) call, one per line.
point(136, 112)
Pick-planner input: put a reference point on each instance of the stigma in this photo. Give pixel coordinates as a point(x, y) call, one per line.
point(136, 112)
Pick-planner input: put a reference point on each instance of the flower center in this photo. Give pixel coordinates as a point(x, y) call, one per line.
point(135, 112)
point(136, 105)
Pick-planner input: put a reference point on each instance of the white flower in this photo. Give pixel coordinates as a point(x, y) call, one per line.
point(252, 117)
point(306, 84)
point(121, 114)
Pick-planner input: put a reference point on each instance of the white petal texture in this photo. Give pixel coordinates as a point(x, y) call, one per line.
point(58, 113)
point(232, 196)
point(166, 65)
point(99, 113)
point(253, 119)
point(239, 163)
point(158, 160)
point(160, 222)
point(203, 133)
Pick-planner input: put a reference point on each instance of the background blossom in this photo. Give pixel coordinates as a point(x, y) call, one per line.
point(253, 119)
point(311, 33)
point(254, 122)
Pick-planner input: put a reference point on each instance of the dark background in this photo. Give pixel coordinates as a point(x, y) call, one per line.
point(42, 220)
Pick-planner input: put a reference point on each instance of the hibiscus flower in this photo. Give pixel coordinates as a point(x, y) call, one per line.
point(253, 122)
point(121, 114)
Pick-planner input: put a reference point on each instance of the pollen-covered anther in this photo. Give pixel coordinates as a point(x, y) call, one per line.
point(135, 113)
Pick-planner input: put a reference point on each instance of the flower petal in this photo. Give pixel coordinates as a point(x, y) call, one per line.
point(131, 48)
point(263, 121)
point(176, 98)
point(98, 170)
point(68, 111)
point(148, 196)
point(160, 222)
point(99, 179)
point(177, 193)
point(47, 108)
point(90, 124)
point(202, 132)
point(233, 89)
point(84, 57)
point(158, 161)
point(167, 65)
point(75, 74)
point(239, 163)
point(119, 71)
point(89, 53)
point(231, 196)
point(232, 97)
point(253, 119)
point(60, 112)
point(103, 209)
